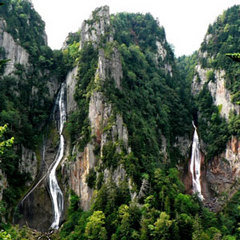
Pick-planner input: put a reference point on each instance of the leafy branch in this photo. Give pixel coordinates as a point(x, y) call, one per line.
point(5, 143)
point(234, 56)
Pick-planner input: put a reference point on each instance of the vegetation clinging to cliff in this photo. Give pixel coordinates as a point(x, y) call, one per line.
point(154, 102)
point(223, 37)
point(25, 93)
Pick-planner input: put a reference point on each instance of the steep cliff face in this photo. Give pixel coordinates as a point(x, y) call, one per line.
point(220, 172)
point(220, 94)
point(106, 156)
point(105, 125)
point(128, 131)
point(29, 83)
point(95, 29)
point(28, 163)
point(71, 84)
point(3, 183)
point(216, 90)
point(12, 50)
point(223, 173)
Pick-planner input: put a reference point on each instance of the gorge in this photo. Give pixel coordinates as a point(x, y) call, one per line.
point(55, 191)
point(106, 145)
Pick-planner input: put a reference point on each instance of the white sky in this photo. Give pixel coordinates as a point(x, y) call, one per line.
point(185, 21)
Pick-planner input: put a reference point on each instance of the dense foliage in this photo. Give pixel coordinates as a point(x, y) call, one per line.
point(156, 105)
point(216, 134)
point(223, 37)
point(234, 56)
point(152, 103)
point(24, 24)
point(24, 95)
point(151, 99)
point(78, 123)
point(4, 142)
point(220, 44)
point(166, 213)
point(186, 66)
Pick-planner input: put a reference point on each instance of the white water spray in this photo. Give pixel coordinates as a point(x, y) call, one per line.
point(55, 191)
point(195, 165)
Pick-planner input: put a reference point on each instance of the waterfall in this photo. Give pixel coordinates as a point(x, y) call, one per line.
point(195, 165)
point(55, 191)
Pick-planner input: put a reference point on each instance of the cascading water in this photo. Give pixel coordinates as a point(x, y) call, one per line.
point(55, 191)
point(195, 165)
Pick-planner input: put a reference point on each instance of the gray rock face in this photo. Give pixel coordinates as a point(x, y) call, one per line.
point(78, 172)
point(110, 67)
point(144, 188)
point(105, 124)
point(36, 206)
point(28, 163)
point(199, 79)
point(13, 51)
point(221, 96)
point(3, 183)
point(101, 117)
point(36, 209)
point(117, 176)
point(45, 38)
point(97, 113)
point(162, 54)
point(71, 84)
point(224, 172)
point(53, 86)
point(184, 145)
point(16, 54)
point(161, 51)
point(96, 26)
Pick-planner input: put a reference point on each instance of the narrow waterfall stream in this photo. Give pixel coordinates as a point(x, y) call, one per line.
point(195, 165)
point(55, 191)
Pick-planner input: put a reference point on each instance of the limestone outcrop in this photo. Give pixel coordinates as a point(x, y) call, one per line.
point(104, 123)
point(220, 94)
point(12, 50)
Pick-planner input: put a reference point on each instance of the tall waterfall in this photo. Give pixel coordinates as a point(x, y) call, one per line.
point(195, 165)
point(55, 191)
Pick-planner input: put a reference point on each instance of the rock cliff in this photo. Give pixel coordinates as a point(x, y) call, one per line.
point(220, 174)
point(29, 163)
point(29, 84)
point(71, 84)
point(104, 123)
point(216, 72)
point(12, 50)
point(220, 94)
point(105, 146)
point(96, 27)
point(3, 183)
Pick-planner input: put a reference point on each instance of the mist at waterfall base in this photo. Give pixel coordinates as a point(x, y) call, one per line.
point(55, 191)
point(195, 165)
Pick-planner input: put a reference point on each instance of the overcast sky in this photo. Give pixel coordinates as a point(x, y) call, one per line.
point(185, 21)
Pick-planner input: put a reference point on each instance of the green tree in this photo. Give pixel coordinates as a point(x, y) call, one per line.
point(234, 56)
point(184, 222)
point(161, 230)
point(95, 228)
point(129, 222)
point(5, 236)
point(4, 143)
